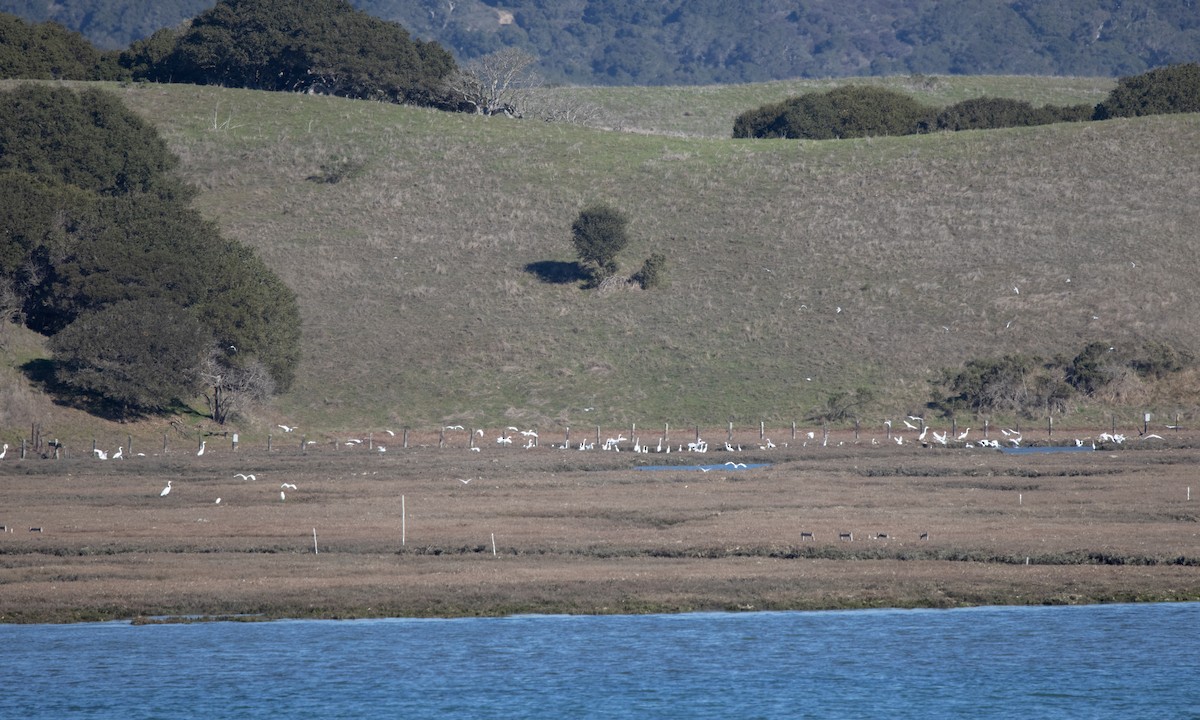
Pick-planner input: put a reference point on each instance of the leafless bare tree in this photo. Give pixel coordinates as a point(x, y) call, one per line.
point(497, 83)
point(234, 389)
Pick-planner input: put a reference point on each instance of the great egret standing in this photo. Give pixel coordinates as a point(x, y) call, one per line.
point(201, 450)
point(4, 451)
point(166, 491)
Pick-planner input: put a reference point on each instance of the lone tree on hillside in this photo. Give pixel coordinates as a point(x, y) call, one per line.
point(599, 234)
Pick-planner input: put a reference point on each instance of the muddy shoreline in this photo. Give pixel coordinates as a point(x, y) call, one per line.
point(450, 532)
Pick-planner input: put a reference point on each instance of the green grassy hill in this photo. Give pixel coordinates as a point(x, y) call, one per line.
point(795, 268)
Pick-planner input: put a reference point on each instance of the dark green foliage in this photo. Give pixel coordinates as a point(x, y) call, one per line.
point(109, 24)
point(86, 139)
point(134, 356)
point(988, 385)
point(1174, 89)
point(97, 223)
point(1030, 385)
point(248, 308)
point(49, 51)
point(303, 45)
point(598, 234)
point(1088, 372)
point(653, 272)
point(987, 113)
point(143, 56)
point(845, 112)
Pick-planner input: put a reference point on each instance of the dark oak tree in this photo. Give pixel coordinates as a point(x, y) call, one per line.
point(321, 46)
point(599, 234)
point(99, 234)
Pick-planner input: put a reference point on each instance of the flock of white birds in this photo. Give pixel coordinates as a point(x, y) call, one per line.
point(919, 433)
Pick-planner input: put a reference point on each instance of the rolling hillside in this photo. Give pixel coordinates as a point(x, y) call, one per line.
point(795, 269)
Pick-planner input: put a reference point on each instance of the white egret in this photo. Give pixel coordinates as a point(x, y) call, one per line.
point(119, 453)
point(4, 451)
point(201, 450)
point(166, 491)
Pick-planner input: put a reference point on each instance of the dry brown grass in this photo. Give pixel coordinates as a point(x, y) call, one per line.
point(586, 532)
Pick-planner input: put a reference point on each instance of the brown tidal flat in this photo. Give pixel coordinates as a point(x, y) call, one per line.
point(507, 530)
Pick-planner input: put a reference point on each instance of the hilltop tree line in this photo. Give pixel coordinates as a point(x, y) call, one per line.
point(861, 111)
point(145, 304)
point(323, 46)
point(621, 42)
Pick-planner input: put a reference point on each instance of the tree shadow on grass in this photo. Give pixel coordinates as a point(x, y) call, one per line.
point(557, 272)
point(41, 373)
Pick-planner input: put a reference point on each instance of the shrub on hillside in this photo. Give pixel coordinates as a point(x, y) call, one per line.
point(653, 272)
point(598, 234)
point(1172, 89)
point(845, 112)
point(1031, 385)
point(987, 113)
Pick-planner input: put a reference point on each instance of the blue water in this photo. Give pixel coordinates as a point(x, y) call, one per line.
point(1036, 449)
point(1116, 661)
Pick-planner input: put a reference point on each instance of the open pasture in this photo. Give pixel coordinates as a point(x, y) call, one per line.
point(449, 531)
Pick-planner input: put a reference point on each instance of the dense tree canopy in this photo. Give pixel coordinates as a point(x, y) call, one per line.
point(49, 51)
point(98, 234)
point(598, 234)
point(87, 140)
point(1174, 89)
point(300, 45)
point(132, 357)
